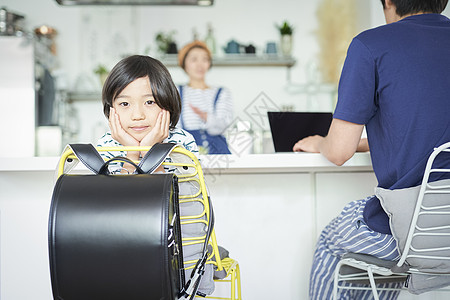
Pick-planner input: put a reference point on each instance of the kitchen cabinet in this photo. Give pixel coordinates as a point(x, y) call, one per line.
point(269, 210)
point(268, 201)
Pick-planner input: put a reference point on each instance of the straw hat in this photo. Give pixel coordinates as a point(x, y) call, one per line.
point(185, 50)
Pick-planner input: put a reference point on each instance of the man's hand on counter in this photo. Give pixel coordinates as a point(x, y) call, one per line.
point(309, 144)
point(342, 141)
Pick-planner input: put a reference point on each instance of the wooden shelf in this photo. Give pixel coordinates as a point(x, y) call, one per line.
point(239, 60)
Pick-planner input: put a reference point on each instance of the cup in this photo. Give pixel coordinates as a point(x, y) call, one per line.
point(250, 49)
point(271, 48)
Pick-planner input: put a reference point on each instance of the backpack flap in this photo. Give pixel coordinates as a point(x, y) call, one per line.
point(115, 237)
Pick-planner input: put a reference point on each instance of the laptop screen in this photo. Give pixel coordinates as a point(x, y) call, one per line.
point(289, 127)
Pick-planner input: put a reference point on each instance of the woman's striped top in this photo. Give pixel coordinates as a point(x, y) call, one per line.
point(219, 117)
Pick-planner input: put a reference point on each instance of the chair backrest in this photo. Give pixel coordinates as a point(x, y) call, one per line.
point(195, 209)
point(427, 245)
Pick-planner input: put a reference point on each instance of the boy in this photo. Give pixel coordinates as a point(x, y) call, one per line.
point(143, 106)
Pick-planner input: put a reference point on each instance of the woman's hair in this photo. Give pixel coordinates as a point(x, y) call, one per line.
point(137, 66)
point(182, 54)
point(406, 7)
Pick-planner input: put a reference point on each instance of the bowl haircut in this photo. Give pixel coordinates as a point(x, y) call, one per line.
point(133, 67)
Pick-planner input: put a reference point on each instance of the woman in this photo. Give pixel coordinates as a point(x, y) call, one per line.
point(206, 111)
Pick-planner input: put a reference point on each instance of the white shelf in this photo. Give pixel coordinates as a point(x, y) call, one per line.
point(229, 60)
point(239, 60)
point(84, 96)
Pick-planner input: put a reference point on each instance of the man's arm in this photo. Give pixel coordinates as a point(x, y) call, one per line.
point(363, 145)
point(342, 141)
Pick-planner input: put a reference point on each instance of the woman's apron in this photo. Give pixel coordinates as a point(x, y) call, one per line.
point(216, 144)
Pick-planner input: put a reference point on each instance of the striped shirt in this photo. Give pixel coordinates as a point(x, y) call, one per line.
point(177, 136)
point(218, 119)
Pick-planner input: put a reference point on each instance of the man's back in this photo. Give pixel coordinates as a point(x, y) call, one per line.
point(402, 73)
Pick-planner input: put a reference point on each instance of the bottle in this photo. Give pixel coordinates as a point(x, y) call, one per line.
point(210, 41)
point(194, 34)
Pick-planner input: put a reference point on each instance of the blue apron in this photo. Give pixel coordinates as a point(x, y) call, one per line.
point(216, 144)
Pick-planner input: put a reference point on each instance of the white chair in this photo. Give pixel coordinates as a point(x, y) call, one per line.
point(426, 242)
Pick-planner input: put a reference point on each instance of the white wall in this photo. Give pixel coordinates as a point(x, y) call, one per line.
point(96, 34)
point(91, 35)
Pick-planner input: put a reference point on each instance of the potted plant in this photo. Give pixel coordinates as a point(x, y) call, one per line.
point(286, 31)
point(165, 42)
point(102, 72)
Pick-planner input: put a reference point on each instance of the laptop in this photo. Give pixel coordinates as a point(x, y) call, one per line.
point(289, 127)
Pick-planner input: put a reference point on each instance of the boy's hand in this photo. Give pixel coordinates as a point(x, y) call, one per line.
point(117, 131)
point(158, 134)
point(160, 130)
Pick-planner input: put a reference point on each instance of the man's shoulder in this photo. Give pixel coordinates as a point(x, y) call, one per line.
point(374, 34)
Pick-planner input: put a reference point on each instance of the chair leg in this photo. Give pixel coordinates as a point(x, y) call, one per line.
point(233, 285)
point(236, 283)
point(238, 280)
point(372, 283)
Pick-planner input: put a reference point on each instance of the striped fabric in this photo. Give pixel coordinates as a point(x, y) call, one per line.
point(177, 136)
point(218, 119)
point(349, 233)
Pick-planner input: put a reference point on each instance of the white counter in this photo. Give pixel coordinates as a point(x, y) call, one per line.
point(269, 210)
point(226, 164)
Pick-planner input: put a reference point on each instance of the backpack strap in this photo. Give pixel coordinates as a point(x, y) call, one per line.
point(89, 156)
point(156, 156)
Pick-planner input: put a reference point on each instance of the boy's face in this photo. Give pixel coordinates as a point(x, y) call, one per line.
point(197, 63)
point(137, 108)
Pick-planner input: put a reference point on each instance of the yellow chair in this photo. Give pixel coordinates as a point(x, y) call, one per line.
point(189, 172)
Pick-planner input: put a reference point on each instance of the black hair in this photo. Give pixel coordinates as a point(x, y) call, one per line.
point(137, 66)
point(407, 7)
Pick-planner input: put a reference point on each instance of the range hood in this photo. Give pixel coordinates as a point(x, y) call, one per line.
point(136, 2)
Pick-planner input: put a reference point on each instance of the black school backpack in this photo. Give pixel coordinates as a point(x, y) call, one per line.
point(118, 237)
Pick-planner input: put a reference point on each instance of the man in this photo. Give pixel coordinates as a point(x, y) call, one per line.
point(396, 82)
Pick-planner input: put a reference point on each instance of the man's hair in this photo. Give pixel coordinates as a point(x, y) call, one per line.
point(137, 66)
point(406, 7)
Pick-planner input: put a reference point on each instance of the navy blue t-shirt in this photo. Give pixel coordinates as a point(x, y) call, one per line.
point(396, 81)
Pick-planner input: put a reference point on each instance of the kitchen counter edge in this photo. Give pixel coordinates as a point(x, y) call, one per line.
point(225, 164)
